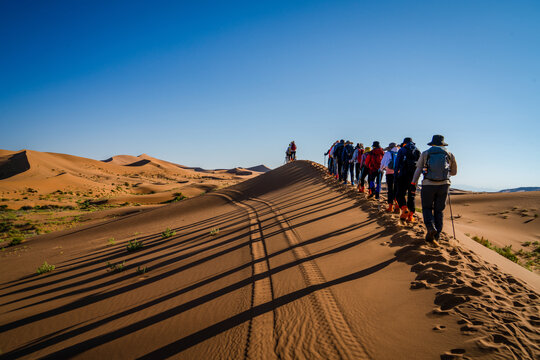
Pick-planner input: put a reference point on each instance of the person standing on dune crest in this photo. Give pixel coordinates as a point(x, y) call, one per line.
point(437, 164)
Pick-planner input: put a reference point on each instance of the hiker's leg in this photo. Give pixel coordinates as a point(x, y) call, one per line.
point(427, 196)
point(390, 186)
point(357, 168)
point(411, 192)
point(401, 190)
point(439, 204)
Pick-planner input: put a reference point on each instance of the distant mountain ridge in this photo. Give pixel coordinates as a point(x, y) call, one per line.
point(521, 189)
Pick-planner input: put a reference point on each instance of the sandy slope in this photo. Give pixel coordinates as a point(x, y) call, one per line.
point(503, 218)
point(30, 178)
point(301, 268)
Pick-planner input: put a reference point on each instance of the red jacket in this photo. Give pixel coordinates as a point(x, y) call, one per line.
point(373, 160)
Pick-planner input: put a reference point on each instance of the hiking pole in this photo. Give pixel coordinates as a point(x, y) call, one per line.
point(451, 215)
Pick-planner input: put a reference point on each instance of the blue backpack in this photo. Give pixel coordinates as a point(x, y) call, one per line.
point(437, 164)
point(392, 160)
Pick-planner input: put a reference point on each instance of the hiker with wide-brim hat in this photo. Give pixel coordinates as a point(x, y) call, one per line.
point(373, 162)
point(404, 169)
point(437, 164)
point(387, 166)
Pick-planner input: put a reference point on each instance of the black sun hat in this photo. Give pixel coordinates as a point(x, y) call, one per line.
point(437, 140)
point(376, 144)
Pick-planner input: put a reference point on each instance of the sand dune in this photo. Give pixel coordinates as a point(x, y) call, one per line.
point(30, 178)
point(287, 265)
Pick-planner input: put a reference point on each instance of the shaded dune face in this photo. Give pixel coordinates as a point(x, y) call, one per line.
point(286, 265)
point(13, 164)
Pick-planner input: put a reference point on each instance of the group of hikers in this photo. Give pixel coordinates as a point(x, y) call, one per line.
point(403, 164)
point(290, 153)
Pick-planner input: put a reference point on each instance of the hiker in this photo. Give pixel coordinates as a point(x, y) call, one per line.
point(346, 156)
point(437, 164)
point(292, 147)
point(331, 158)
point(387, 165)
point(373, 161)
point(338, 150)
point(404, 169)
point(356, 159)
point(364, 171)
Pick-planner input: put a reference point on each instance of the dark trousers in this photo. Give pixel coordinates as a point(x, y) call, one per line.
point(363, 173)
point(433, 204)
point(374, 181)
point(330, 165)
point(404, 190)
point(390, 186)
point(348, 167)
point(357, 168)
point(340, 169)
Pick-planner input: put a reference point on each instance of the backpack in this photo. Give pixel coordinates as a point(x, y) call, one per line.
point(392, 160)
point(408, 165)
point(360, 153)
point(293, 147)
point(437, 164)
point(338, 150)
point(347, 152)
point(375, 161)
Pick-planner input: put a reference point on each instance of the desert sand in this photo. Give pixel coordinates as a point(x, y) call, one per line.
point(288, 264)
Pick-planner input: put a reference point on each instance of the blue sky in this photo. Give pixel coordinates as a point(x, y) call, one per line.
point(225, 83)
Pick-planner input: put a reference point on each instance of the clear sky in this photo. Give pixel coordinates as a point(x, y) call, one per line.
point(219, 84)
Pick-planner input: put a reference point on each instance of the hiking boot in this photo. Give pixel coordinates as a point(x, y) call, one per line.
point(430, 236)
point(410, 217)
point(396, 207)
point(361, 189)
point(404, 213)
point(376, 195)
point(390, 208)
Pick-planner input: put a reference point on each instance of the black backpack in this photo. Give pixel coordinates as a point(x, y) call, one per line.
point(437, 164)
point(408, 165)
point(338, 151)
point(392, 160)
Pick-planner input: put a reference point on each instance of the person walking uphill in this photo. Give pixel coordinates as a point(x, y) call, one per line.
point(373, 161)
point(338, 151)
point(404, 169)
point(364, 171)
point(346, 156)
point(437, 164)
point(357, 159)
point(387, 165)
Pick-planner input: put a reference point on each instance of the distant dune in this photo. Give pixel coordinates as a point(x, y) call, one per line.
point(522, 189)
point(30, 178)
point(259, 168)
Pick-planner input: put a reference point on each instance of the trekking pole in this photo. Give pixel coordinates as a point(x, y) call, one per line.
point(451, 214)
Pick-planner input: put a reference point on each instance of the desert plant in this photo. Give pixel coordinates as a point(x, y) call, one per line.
point(134, 245)
point(111, 242)
point(168, 233)
point(16, 240)
point(214, 231)
point(45, 268)
point(116, 267)
point(141, 270)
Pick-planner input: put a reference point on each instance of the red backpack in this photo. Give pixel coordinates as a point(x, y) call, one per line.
point(293, 147)
point(376, 156)
point(360, 153)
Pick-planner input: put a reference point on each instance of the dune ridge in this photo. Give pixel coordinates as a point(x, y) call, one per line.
point(299, 267)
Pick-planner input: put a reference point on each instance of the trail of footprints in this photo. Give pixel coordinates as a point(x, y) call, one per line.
point(497, 309)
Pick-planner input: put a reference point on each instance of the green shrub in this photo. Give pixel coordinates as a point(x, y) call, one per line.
point(168, 233)
point(505, 251)
point(45, 268)
point(111, 242)
point(214, 231)
point(134, 245)
point(141, 270)
point(16, 240)
point(118, 267)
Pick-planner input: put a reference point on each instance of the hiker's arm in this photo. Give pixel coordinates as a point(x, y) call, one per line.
point(453, 165)
point(419, 167)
